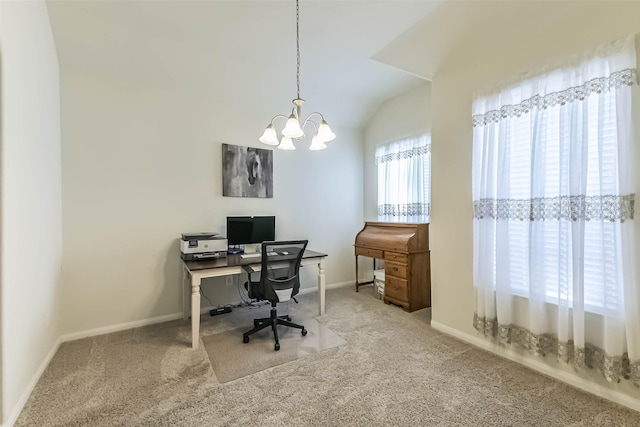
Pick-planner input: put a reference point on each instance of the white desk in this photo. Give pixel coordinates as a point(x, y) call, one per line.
point(195, 271)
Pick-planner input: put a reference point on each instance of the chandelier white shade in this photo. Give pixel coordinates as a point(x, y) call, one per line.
point(317, 143)
point(325, 133)
point(286, 144)
point(269, 136)
point(293, 129)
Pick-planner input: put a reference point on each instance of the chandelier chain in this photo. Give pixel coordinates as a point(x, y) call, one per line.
point(298, 46)
point(294, 127)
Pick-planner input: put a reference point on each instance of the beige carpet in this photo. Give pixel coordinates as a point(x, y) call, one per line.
point(232, 359)
point(394, 370)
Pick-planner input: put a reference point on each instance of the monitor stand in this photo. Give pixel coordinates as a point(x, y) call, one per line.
point(252, 249)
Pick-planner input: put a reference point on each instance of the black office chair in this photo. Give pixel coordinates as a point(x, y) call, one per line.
point(279, 281)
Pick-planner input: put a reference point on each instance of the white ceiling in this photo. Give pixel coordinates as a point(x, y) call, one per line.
point(355, 54)
point(244, 51)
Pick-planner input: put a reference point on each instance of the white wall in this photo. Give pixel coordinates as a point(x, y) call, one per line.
point(406, 115)
point(142, 166)
point(31, 198)
point(589, 24)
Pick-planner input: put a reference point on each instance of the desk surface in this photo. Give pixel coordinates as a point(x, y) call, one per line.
point(236, 260)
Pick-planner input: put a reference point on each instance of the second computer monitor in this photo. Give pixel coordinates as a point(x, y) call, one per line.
point(245, 230)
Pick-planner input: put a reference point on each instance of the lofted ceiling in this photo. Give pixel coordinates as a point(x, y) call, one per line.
point(242, 52)
point(355, 54)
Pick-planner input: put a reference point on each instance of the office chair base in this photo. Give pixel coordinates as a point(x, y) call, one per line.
point(273, 322)
point(256, 322)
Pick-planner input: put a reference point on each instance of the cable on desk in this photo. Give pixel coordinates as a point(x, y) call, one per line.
point(245, 302)
point(205, 297)
point(248, 303)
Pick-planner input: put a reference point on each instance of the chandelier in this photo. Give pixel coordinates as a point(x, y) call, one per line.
point(292, 129)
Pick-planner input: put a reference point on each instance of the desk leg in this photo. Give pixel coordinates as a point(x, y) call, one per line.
point(184, 290)
point(321, 285)
point(195, 311)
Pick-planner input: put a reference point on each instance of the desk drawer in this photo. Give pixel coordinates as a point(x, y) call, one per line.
point(395, 288)
point(372, 253)
point(395, 257)
point(396, 270)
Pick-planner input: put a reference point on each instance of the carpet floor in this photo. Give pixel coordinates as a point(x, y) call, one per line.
point(392, 369)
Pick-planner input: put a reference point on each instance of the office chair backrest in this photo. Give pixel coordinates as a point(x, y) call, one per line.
point(279, 277)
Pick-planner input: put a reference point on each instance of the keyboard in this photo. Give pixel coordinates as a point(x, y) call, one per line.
point(250, 255)
point(257, 254)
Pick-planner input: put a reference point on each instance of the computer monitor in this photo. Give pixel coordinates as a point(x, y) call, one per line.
point(246, 230)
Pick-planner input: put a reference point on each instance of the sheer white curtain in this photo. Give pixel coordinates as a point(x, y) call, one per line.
point(404, 173)
point(553, 194)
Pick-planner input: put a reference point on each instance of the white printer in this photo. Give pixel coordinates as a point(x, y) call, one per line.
point(203, 246)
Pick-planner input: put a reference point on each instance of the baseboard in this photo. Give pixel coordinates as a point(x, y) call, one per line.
point(342, 284)
point(566, 377)
point(311, 289)
point(32, 384)
point(119, 327)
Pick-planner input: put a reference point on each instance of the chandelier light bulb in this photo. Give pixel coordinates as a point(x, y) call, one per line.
point(292, 129)
point(317, 143)
point(286, 144)
point(325, 133)
point(269, 136)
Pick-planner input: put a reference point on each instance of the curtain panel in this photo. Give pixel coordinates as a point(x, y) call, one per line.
point(404, 174)
point(553, 197)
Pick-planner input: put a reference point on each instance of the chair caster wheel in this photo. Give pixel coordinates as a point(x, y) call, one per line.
point(288, 318)
point(304, 332)
point(277, 346)
point(245, 339)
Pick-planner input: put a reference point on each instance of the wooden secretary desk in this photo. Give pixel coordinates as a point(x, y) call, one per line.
point(405, 251)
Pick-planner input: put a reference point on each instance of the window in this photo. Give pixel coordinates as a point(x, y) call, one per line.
point(404, 180)
point(546, 165)
point(553, 196)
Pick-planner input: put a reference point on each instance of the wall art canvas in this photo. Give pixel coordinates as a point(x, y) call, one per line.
point(247, 171)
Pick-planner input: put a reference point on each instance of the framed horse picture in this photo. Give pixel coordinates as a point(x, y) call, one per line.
point(247, 171)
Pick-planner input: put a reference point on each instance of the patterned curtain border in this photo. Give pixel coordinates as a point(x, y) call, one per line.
point(613, 368)
point(404, 210)
point(407, 154)
point(607, 208)
point(617, 79)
